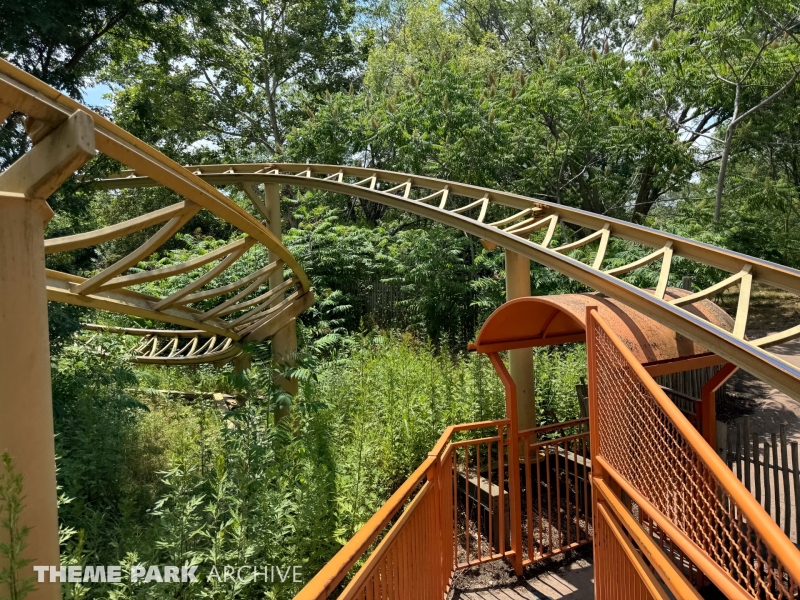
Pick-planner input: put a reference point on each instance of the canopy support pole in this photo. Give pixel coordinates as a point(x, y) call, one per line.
point(518, 285)
point(708, 408)
point(514, 488)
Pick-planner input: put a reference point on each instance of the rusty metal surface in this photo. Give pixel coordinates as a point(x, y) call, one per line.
point(678, 490)
point(548, 320)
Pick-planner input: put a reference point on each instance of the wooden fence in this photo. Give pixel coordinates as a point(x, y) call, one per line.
point(769, 467)
point(690, 383)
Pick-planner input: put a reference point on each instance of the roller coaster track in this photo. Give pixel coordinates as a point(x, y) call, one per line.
point(252, 287)
point(466, 207)
point(173, 346)
point(255, 310)
point(251, 307)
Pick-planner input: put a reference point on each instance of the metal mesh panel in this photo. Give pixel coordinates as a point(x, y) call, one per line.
point(644, 445)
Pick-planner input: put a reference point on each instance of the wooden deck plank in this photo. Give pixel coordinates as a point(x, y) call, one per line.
point(574, 581)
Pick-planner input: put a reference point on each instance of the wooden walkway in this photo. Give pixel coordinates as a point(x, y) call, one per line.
point(572, 581)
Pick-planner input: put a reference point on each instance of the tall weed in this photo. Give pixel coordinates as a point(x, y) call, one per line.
point(13, 534)
point(154, 481)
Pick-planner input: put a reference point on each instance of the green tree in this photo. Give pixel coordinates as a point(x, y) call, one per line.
point(567, 118)
point(730, 59)
point(67, 43)
point(239, 82)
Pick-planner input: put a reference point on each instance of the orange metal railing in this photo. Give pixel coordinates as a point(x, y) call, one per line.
point(441, 519)
point(473, 475)
point(664, 512)
point(394, 570)
point(556, 505)
point(616, 553)
point(457, 511)
point(663, 491)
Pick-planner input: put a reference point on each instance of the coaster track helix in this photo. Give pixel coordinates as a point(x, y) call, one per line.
point(271, 300)
point(256, 312)
point(465, 207)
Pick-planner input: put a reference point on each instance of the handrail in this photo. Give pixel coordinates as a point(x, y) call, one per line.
point(718, 576)
point(472, 442)
point(555, 427)
point(480, 425)
point(673, 577)
point(439, 447)
point(562, 439)
point(381, 550)
point(772, 536)
point(325, 582)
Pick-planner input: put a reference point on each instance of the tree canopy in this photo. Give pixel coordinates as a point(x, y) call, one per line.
point(678, 114)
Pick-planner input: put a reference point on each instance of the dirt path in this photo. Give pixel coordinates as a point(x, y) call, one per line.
point(768, 408)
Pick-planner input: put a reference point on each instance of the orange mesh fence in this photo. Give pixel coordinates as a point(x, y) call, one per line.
point(679, 489)
point(672, 551)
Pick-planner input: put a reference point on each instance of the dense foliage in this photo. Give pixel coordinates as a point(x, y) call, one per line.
point(683, 115)
point(150, 480)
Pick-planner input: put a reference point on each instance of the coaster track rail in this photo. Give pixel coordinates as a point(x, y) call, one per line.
point(465, 207)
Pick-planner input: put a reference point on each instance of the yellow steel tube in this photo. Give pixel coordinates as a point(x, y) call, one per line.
point(26, 411)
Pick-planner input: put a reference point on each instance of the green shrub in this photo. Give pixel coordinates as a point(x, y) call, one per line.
point(557, 370)
point(154, 481)
point(13, 533)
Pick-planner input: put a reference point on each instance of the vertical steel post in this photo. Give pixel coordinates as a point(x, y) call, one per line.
point(594, 440)
point(26, 409)
point(708, 403)
point(434, 479)
point(26, 405)
point(591, 372)
point(518, 285)
point(514, 488)
point(284, 342)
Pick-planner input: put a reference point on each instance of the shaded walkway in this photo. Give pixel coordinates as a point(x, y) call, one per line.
point(570, 577)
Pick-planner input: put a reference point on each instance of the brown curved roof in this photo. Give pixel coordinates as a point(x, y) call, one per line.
point(548, 320)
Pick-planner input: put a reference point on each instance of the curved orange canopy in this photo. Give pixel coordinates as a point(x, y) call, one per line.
point(549, 320)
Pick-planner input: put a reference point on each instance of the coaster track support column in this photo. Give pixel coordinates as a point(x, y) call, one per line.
point(518, 285)
point(284, 342)
point(26, 404)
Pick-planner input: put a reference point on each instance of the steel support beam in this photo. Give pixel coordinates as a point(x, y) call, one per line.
point(26, 405)
point(284, 341)
point(518, 285)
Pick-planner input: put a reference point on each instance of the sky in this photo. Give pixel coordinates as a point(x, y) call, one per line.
point(93, 96)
